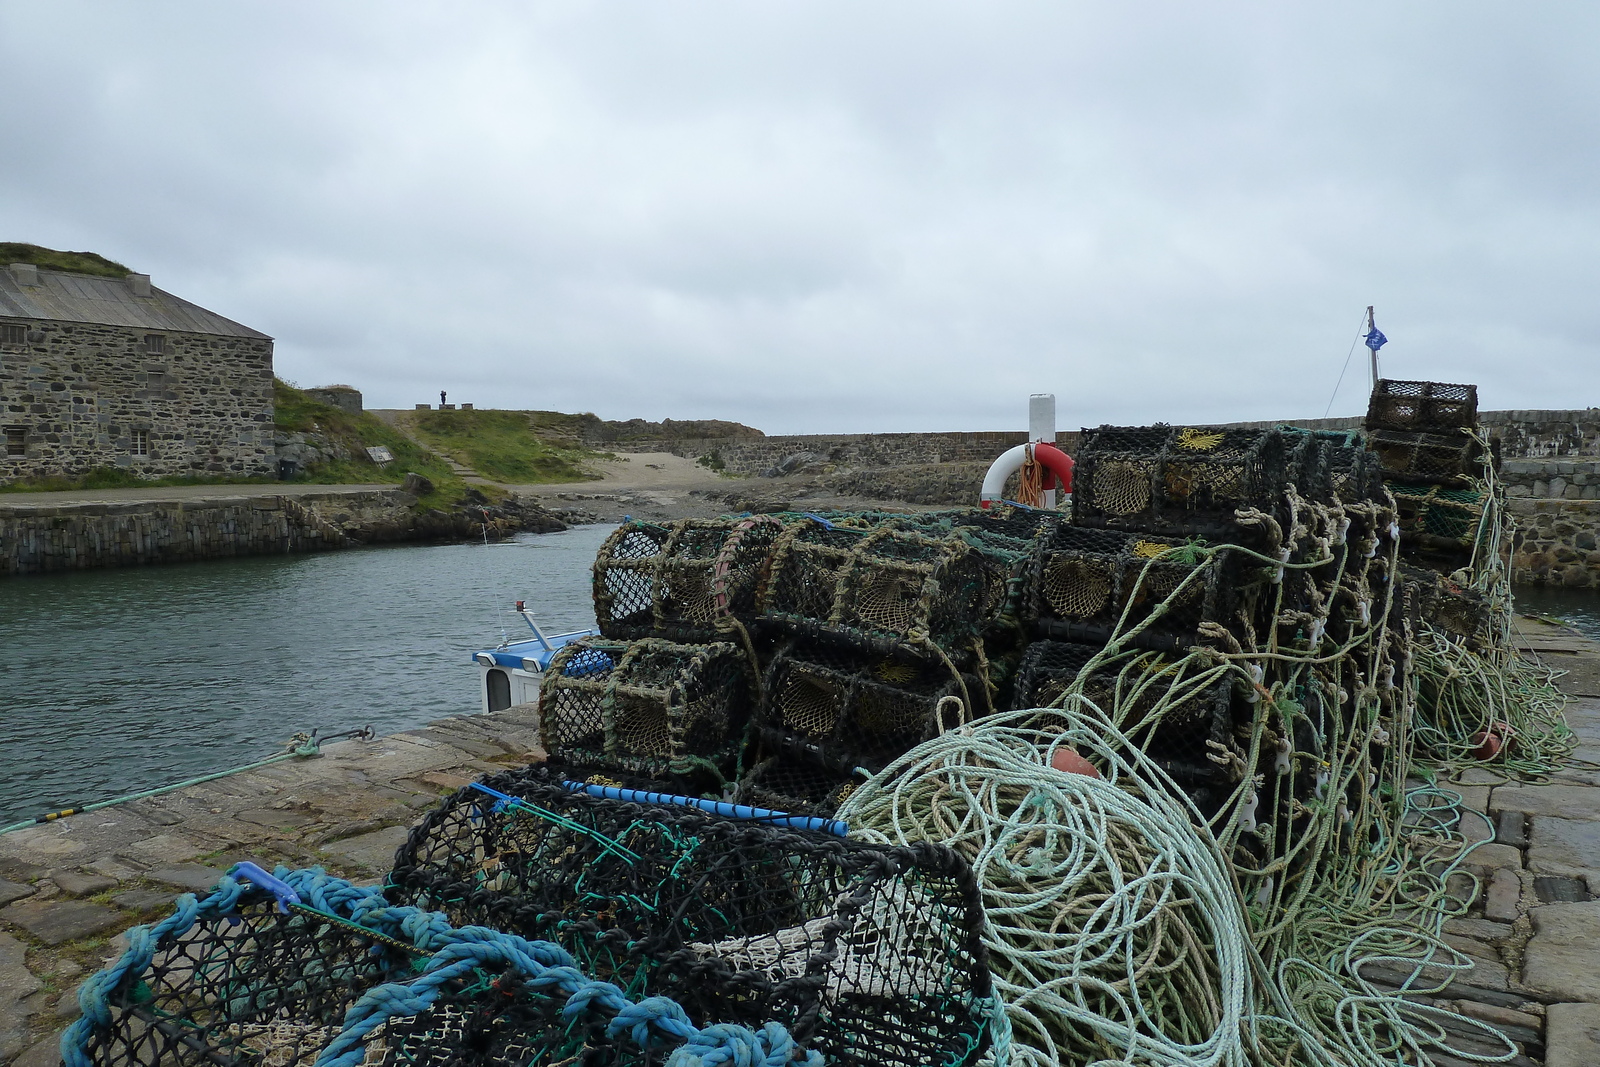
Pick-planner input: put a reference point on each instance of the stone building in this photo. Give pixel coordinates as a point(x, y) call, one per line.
point(113, 372)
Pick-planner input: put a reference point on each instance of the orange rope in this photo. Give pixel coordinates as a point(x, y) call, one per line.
point(1031, 491)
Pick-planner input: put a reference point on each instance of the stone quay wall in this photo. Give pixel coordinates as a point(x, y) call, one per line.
point(1557, 542)
point(84, 396)
point(757, 455)
point(39, 538)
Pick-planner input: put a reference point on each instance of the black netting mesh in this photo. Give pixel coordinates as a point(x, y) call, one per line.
point(869, 955)
point(252, 987)
point(1086, 579)
point(1177, 481)
point(863, 709)
point(1436, 517)
point(1429, 406)
point(648, 706)
point(885, 587)
point(1440, 458)
point(788, 774)
point(680, 580)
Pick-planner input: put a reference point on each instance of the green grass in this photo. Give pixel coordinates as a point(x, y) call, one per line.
point(502, 445)
point(298, 412)
point(50, 259)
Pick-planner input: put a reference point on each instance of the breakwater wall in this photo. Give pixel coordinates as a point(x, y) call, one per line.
point(1523, 435)
point(66, 536)
point(760, 455)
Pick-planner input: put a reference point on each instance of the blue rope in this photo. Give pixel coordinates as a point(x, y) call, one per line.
point(456, 953)
point(715, 807)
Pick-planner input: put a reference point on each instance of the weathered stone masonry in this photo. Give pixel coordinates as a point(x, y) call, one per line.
point(37, 538)
point(76, 395)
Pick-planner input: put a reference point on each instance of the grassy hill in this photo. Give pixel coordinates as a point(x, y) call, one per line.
point(502, 445)
point(50, 259)
point(296, 411)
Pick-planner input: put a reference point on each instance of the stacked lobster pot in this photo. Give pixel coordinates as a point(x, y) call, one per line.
point(777, 658)
point(1434, 460)
point(1144, 573)
point(1205, 573)
point(1424, 436)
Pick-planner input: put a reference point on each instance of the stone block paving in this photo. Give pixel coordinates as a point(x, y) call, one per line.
point(68, 889)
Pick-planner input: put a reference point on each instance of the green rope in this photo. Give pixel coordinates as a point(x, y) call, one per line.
point(302, 746)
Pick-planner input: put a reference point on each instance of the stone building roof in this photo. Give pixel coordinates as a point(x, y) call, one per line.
point(62, 297)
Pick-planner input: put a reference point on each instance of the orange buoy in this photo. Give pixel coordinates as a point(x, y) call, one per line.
point(1068, 761)
point(1486, 744)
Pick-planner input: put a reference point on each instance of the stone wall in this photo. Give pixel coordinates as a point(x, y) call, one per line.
point(343, 397)
point(756, 456)
point(1552, 479)
point(87, 396)
point(1557, 542)
point(35, 537)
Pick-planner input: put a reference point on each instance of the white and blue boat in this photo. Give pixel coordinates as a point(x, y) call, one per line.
point(510, 673)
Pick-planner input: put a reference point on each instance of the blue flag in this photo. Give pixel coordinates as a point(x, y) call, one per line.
point(1376, 339)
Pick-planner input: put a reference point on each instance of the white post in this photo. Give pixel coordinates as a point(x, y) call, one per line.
point(1042, 427)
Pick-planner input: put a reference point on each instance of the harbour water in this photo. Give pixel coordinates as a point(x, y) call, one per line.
point(113, 681)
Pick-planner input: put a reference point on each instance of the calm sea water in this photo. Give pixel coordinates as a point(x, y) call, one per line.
point(114, 681)
point(1579, 607)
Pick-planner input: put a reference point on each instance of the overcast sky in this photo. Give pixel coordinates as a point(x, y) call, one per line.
point(852, 216)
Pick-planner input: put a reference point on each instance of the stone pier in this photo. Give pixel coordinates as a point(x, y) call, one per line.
point(68, 889)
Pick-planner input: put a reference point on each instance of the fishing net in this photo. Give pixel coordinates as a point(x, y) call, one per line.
point(792, 776)
point(860, 709)
point(870, 955)
point(1433, 516)
point(1450, 459)
point(882, 588)
point(1162, 480)
point(1426, 406)
point(648, 706)
point(318, 970)
point(1088, 581)
point(683, 580)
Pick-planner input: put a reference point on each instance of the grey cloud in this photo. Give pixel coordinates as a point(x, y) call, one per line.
point(816, 217)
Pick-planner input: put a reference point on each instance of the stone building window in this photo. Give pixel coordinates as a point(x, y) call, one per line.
point(16, 441)
point(155, 344)
point(13, 333)
point(141, 442)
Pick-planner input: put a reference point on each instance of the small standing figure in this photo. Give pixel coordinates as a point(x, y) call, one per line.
point(441, 398)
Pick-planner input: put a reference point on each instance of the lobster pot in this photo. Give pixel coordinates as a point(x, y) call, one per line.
point(646, 707)
point(1432, 516)
point(244, 983)
point(247, 985)
point(1334, 465)
point(1085, 579)
point(860, 708)
point(1181, 738)
point(882, 588)
point(1157, 479)
point(795, 778)
point(1453, 459)
point(680, 580)
point(1422, 406)
point(870, 955)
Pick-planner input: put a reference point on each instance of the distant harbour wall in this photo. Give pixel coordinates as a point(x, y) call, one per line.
point(36, 538)
point(1523, 435)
